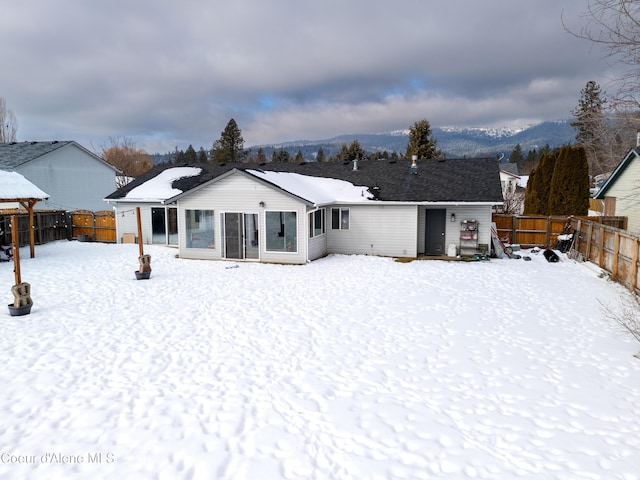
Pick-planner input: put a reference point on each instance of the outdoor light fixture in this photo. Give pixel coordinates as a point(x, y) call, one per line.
point(453, 217)
point(261, 204)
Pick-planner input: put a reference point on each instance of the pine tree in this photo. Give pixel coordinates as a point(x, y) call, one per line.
point(299, 158)
point(202, 156)
point(229, 147)
point(320, 155)
point(261, 157)
point(569, 192)
point(516, 155)
point(421, 141)
point(190, 155)
point(590, 125)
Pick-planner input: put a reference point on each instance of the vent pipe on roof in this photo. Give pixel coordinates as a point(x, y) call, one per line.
point(414, 161)
point(638, 139)
point(355, 164)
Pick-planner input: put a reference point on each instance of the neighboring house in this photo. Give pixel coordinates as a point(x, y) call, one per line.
point(621, 191)
point(295, 213)
point(509, 177)
point(73, 177)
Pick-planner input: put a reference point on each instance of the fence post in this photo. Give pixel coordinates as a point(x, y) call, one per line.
point(588, 249)
point(616, 252)
point(601, 251)
point(634, 267)
point(514, 229)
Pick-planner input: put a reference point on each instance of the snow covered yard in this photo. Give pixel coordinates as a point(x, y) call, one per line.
point(348, 367)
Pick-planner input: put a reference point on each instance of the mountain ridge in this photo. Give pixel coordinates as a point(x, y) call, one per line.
point(453, 141)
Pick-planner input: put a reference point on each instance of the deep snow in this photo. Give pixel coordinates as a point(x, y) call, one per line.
point(347, 367)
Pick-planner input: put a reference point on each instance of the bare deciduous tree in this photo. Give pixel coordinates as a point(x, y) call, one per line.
point(615, 26)
point(627, 317)
point(8, 123)
point(131, 161)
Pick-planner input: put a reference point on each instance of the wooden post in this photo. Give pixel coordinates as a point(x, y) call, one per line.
point(139, 231)
point(601, 251)
point(588, 249)
point(634, 267)
point(616, 252)
point(15, 238)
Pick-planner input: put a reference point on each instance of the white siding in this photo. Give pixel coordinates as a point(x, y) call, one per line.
point(237, 193)
point(126, 220)
point(626, 190)
point(375, 229)
point(72, 178)
point(481, 213)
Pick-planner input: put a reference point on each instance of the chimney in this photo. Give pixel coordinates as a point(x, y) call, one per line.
point(355, 164)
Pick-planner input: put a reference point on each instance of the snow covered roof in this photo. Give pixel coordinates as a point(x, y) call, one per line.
point(14, 186)
point(317, 190)
point(161, 186)
point(474, 180)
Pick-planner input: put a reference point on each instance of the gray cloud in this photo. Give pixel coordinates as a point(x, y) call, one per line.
point(170, 74)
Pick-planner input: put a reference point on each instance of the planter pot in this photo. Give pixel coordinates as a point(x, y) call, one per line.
point(17, 311)
point(142, 275)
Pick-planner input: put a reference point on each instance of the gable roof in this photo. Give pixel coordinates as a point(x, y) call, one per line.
point(432, 180)
point(14, 154)
point(622, 166)
point(510, 168)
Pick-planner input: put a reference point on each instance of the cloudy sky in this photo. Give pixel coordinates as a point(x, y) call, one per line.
point(167, 74)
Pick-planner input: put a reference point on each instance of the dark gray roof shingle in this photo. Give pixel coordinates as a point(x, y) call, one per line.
point(450, 180)
point(16, 153)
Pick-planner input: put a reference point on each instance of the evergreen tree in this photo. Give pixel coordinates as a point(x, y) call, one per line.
point(516, 155)
point(179, 157)
point(590, 124)
point(190, 155)
point(320, 155)
point(261, 157)
point(539, 186)
point(280, 156)
point(202, 156)
point(421, 141)
point(229, 147)
point(530, 198)
point(299, 158)
point(569, 192)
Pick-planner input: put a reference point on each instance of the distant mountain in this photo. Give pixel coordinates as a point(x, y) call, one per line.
point(453, 141)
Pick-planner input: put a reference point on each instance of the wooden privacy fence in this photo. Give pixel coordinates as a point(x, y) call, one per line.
point(612, 249)
point(52, 225)
point(539, 230)
point(98, 226)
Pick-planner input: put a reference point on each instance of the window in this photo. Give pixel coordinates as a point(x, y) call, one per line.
point(199, 228)
point(340, 218)
point(316, 223)
point(281, 231)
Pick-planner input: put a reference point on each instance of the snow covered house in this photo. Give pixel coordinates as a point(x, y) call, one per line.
point(295, 213)
point(73, 177)
point(620, 192)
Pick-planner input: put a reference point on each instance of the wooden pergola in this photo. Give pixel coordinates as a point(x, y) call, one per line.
point(17, 189)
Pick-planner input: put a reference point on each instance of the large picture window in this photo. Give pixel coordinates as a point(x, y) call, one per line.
point(340, 218)
point(281, 231)
point(199, 228)
point(316, 223)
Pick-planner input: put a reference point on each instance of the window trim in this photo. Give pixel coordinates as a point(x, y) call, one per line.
point(341, 218)
point(284, 233)
point(321, 212)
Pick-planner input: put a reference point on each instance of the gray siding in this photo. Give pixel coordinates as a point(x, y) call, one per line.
point(72, 178)
point(375, 229)
point(237, 193)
